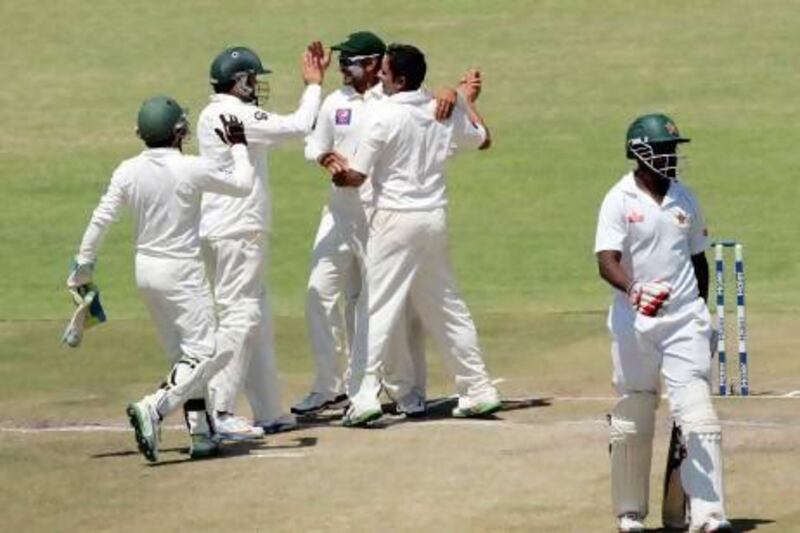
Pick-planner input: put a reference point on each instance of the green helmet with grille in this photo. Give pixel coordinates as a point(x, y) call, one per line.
point(161, 120)
point(652, 140)
point(237, 66)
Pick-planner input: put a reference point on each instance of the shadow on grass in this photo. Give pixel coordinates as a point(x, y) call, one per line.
point(739, 525)
point(227, 449)
point(435, 409)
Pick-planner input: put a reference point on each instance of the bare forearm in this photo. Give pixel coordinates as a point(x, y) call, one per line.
point(700, 265)
point(610, 269)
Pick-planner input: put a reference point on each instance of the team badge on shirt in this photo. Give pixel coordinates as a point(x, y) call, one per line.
point(343, 116)
point(681, 218)
point(635, 216)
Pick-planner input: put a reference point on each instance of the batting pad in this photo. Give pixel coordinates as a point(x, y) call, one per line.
point(88, 313)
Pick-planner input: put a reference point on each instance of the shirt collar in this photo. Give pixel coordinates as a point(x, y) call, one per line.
point(629, 186)
point(225, 97)
point(411, 97)
point(160, 152)
point(374, 92)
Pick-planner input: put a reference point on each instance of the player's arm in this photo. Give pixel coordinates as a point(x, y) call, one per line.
point(369, 149)
point(320, 142)
point(213, 178)
point(469, 129)
point(106, 212)
point(700, 264)
point(646, 296)
point(447, 97)
point(269, 128)
point(609, 265)
point(698, 242)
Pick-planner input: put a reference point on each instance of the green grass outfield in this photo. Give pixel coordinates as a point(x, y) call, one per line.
point(562, 80)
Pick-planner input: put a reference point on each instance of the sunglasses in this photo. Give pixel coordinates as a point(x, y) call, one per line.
point(349, 61)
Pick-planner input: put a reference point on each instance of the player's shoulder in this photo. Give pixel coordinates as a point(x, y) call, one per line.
point(338, 96)
point(685, 193)
point(624, 186)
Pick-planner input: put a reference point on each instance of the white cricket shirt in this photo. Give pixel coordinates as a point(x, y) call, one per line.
point(163, 187)
point(656, 241)
point(339, 128)
point(223, 216)
point(404, 149)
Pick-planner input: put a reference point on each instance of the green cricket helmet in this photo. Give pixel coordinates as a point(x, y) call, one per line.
point(653, 140)
point(161, 121)
point(239, 66)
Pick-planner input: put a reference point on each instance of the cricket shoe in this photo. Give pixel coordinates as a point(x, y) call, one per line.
point(278, 425)
point(360, 418)
point(482, 406)
point(412, 405)
point(236, 428)
point(145, 422)
point(630, 523)
point(316, 402)
point(203, 446)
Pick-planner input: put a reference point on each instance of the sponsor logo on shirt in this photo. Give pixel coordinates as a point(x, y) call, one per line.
point(634, 217)
point(343, 116)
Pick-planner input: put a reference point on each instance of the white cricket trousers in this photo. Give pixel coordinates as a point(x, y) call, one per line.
point(178, 297)
point(675, 346)
point(408, 259)
point(237, 269)
point(334, 286)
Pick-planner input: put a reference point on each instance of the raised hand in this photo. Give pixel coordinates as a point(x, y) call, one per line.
point(445, 103)
point(313, 63)
point(318, 51)
point(471, 84)
point(232, 131)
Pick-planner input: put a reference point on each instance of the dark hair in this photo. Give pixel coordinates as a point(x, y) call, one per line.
point(407, 61)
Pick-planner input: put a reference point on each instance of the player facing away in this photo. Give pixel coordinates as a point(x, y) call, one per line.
point(650, 246)
point(235, 235)
point(404, 151)
point(335, 281)
point(163, 188)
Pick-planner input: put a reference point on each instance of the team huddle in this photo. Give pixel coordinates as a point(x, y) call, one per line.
point(380, 271)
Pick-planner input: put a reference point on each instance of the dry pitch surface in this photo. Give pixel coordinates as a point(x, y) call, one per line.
point(538, 466)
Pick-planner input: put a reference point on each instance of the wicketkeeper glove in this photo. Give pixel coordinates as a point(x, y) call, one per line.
point(89, 312)
point(232, 131)
point(80, 274)
point(648, 298)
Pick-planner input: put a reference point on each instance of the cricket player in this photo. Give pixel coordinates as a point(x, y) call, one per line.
point(340, 243)
point(650, 247)
point(163, 188)
point(235, 233)
point(403, 151)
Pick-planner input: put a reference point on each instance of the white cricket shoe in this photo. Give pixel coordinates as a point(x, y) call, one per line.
point(145, 422)
point(355, 417)
point(483, 405)
point(630, 523)
point(236, 428)
point(281, 424)
point(316, 402)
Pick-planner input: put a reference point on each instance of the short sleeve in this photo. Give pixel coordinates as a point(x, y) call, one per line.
point(611, 225)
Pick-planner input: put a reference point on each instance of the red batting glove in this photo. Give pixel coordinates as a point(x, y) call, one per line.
point(648, 298)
